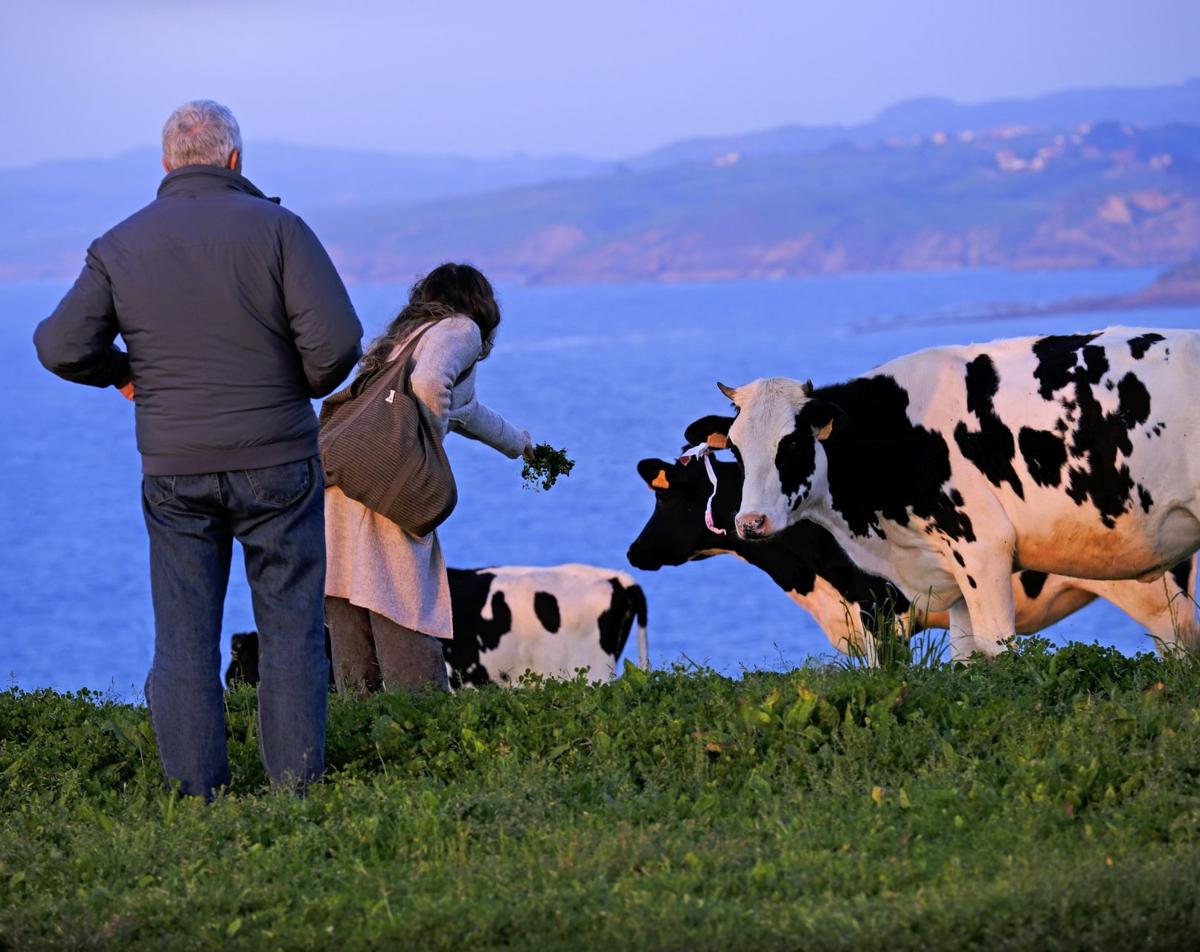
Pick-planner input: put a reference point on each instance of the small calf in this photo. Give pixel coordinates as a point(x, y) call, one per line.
point(509, 620)
point(549, 620)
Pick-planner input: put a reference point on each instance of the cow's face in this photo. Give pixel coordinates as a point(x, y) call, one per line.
point(676, 531)
point(778, 435)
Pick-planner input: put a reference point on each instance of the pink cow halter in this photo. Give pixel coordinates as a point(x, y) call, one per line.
point(704, 451)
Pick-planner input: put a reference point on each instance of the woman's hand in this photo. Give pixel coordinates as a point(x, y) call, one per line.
point(527, 453)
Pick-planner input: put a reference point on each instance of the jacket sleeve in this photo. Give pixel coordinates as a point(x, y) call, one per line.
point(76, 341)
point(449, 351)
point(324, 326)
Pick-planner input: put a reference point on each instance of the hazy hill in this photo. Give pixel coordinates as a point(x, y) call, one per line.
point(922, 117)
point(1108, 196)
point(927, 184)
point(52, 210)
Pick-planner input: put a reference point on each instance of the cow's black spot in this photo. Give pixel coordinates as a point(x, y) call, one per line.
point(959, 559)
point(1057, 356)
point(616, 620)
point(1098, 437)
point(862, 489)
point(796, 459)
point(972, 582)
point(1033, 582)
point(1142, 343)
point(1182, 573)
point(1045, 455)
point(991, 449)
point(545, 606)
point(473, 634)
point(1144, 497)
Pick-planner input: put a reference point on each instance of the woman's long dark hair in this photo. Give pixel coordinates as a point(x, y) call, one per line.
point(447, 289)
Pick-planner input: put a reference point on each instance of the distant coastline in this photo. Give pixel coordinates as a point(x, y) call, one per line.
point(1178, 286)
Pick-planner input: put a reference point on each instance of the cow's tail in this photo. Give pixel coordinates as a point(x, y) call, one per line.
point(1189, 629)
point(638, 597)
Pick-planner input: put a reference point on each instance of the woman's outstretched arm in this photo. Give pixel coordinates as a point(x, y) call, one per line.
point(450, 350)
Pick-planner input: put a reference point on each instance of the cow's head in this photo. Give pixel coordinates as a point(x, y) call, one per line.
point(243, 659)
point(676, 531)
point(779, 435)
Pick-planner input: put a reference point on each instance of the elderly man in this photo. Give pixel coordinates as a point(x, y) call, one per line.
point(233, 319)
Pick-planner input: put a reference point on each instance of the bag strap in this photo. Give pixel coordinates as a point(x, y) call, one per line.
point(390, 369)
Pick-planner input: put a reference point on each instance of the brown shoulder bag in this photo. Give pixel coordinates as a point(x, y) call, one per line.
point(378, 449)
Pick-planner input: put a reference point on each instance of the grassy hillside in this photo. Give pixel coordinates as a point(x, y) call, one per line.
point(1041, 800)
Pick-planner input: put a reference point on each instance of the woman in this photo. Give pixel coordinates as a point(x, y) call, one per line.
point(387, 601)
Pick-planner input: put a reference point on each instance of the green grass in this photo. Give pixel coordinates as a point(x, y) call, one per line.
point(1041, 800)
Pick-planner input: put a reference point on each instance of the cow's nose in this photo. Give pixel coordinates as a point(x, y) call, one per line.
point(752, 525)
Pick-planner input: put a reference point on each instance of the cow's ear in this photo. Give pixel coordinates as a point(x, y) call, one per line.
point(824, 418)
point(712, 429)
point(655, 473)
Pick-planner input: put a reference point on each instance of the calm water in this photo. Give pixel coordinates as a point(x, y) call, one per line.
point(612, 373)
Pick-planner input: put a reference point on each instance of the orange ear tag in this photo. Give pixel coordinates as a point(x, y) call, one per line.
point(718, 441)
point(660, 481)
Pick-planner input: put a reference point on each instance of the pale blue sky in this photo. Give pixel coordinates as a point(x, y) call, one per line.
point(610, 78)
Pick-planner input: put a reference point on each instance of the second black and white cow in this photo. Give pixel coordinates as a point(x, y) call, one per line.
point(551, 620)
point(947, 469)
point(807, 563)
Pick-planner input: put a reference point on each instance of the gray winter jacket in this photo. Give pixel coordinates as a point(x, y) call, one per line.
point(233, 318)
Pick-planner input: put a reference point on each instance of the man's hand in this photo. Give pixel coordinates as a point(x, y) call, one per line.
point(127, 390)
point(527, 453)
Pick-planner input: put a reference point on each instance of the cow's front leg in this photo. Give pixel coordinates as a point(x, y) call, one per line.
point(962, 638)
point(985, 580)
point(983, 572)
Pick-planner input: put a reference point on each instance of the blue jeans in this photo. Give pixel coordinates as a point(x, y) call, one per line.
point(278, 515)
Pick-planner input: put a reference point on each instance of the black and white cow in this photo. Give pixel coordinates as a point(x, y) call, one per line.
point(243, 659)
point(551, 620)
point(807, 563)
point(945, 470)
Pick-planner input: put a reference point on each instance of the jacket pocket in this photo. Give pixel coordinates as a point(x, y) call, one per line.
point(158, 489)
point(281, 485)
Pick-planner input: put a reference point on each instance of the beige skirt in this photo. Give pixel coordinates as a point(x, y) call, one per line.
point(375, 564)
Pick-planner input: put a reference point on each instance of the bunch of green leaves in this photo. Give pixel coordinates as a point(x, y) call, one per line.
point(545, 468)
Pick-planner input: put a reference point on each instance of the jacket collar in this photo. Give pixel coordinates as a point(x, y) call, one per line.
point(203, 179)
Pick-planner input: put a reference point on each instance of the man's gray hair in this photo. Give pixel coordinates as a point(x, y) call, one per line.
point(201, 132)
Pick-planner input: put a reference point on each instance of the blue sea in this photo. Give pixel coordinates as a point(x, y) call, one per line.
point(612, 373)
